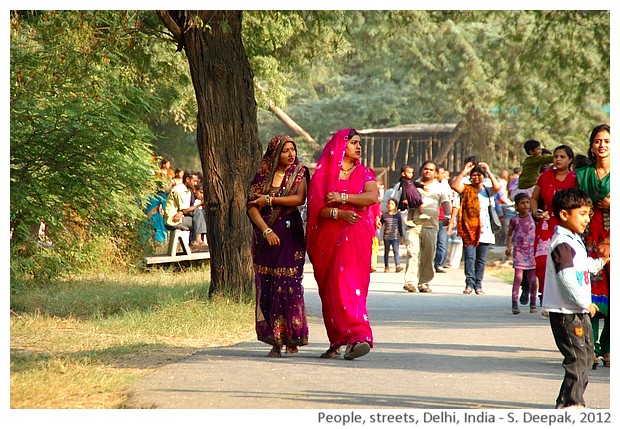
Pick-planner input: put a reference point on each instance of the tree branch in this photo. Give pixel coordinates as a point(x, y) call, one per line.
point(173, 26)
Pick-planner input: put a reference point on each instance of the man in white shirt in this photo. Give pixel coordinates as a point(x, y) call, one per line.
point(421, 239)
point(177, 214)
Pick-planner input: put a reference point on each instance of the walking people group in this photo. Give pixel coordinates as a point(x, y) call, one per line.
point(341, 225)
point(339, 237)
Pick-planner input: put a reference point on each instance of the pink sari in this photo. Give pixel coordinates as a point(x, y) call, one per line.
point(340, 252)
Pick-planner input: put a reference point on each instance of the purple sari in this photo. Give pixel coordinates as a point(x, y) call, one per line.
point(280, 308)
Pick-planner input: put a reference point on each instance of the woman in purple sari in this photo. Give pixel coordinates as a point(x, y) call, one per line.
point(340, 233)
point(279, 247)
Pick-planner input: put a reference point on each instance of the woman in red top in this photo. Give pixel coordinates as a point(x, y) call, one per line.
point(549, 182)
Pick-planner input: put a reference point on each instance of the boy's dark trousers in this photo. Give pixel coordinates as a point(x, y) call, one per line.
point(573, 336)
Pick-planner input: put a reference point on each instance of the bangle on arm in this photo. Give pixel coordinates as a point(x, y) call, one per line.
point(268, 199)
point(344, 197)
point(334, 213)
point(267, 232)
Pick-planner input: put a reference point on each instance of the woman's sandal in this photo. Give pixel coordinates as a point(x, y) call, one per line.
point(331, 353)
point(356, 350)
point(275, 352)
point(291, 350)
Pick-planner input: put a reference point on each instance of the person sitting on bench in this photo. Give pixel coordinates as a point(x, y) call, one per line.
point(178, 207)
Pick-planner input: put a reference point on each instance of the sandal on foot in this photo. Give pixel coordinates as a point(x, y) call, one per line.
point(515, 310)
point(274, 352)
point(606, 360)
point(291, 350)
point(356, 350)
point(331, 353)
point(410, 288)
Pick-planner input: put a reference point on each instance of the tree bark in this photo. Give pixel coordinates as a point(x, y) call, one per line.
point(227, 137)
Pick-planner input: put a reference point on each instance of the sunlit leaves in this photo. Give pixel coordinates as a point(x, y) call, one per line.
point(79, 141)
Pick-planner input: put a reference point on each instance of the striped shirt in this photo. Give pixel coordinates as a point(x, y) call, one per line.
point(392, 224)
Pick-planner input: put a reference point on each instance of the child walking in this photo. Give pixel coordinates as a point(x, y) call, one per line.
point(520, 243)
point(392, 231)
point(567, 294)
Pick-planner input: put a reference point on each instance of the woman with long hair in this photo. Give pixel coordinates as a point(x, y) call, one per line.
point(279, 247)
point(595, 180)
point(339, 236)
point(560, 176)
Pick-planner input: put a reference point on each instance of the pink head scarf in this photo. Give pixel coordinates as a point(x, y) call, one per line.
point(326, 176)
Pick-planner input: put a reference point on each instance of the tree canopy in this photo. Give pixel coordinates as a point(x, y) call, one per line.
point(82, 96)
point(508, 75)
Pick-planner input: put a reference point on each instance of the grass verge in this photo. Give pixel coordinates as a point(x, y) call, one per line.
point(79, 343)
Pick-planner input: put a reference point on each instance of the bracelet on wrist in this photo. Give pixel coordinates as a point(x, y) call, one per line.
point(343, 197)
point(268, 199)
point(334, 213)
point(267, 232)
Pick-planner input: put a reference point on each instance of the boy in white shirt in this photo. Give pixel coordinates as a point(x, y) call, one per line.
point(567, 295)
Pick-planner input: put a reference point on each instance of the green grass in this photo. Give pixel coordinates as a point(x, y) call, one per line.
point(78, 343)
point(505, 274)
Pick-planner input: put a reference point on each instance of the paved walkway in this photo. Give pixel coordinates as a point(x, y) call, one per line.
point(444, 350)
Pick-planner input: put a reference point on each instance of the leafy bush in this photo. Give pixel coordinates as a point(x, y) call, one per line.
point(80, 143)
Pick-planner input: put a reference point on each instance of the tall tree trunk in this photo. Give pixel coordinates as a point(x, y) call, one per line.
point(227, 136)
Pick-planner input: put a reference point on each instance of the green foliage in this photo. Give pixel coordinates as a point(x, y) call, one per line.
point(508, 75)
point(284, 49)
point(282, 46)
point(80, 152)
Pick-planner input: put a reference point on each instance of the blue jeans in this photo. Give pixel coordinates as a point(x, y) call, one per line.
point(441, 253)
point(475, 261)
point(386, 252)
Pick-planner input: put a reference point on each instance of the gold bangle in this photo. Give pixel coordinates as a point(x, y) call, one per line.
point(343, 197)
point(268, 199)
point(267, 232)
point(334, 213)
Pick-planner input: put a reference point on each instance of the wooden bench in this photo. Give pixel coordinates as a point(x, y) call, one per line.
point(177, 239)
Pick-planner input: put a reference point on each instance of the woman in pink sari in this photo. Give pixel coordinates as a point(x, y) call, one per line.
point(339, 239)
